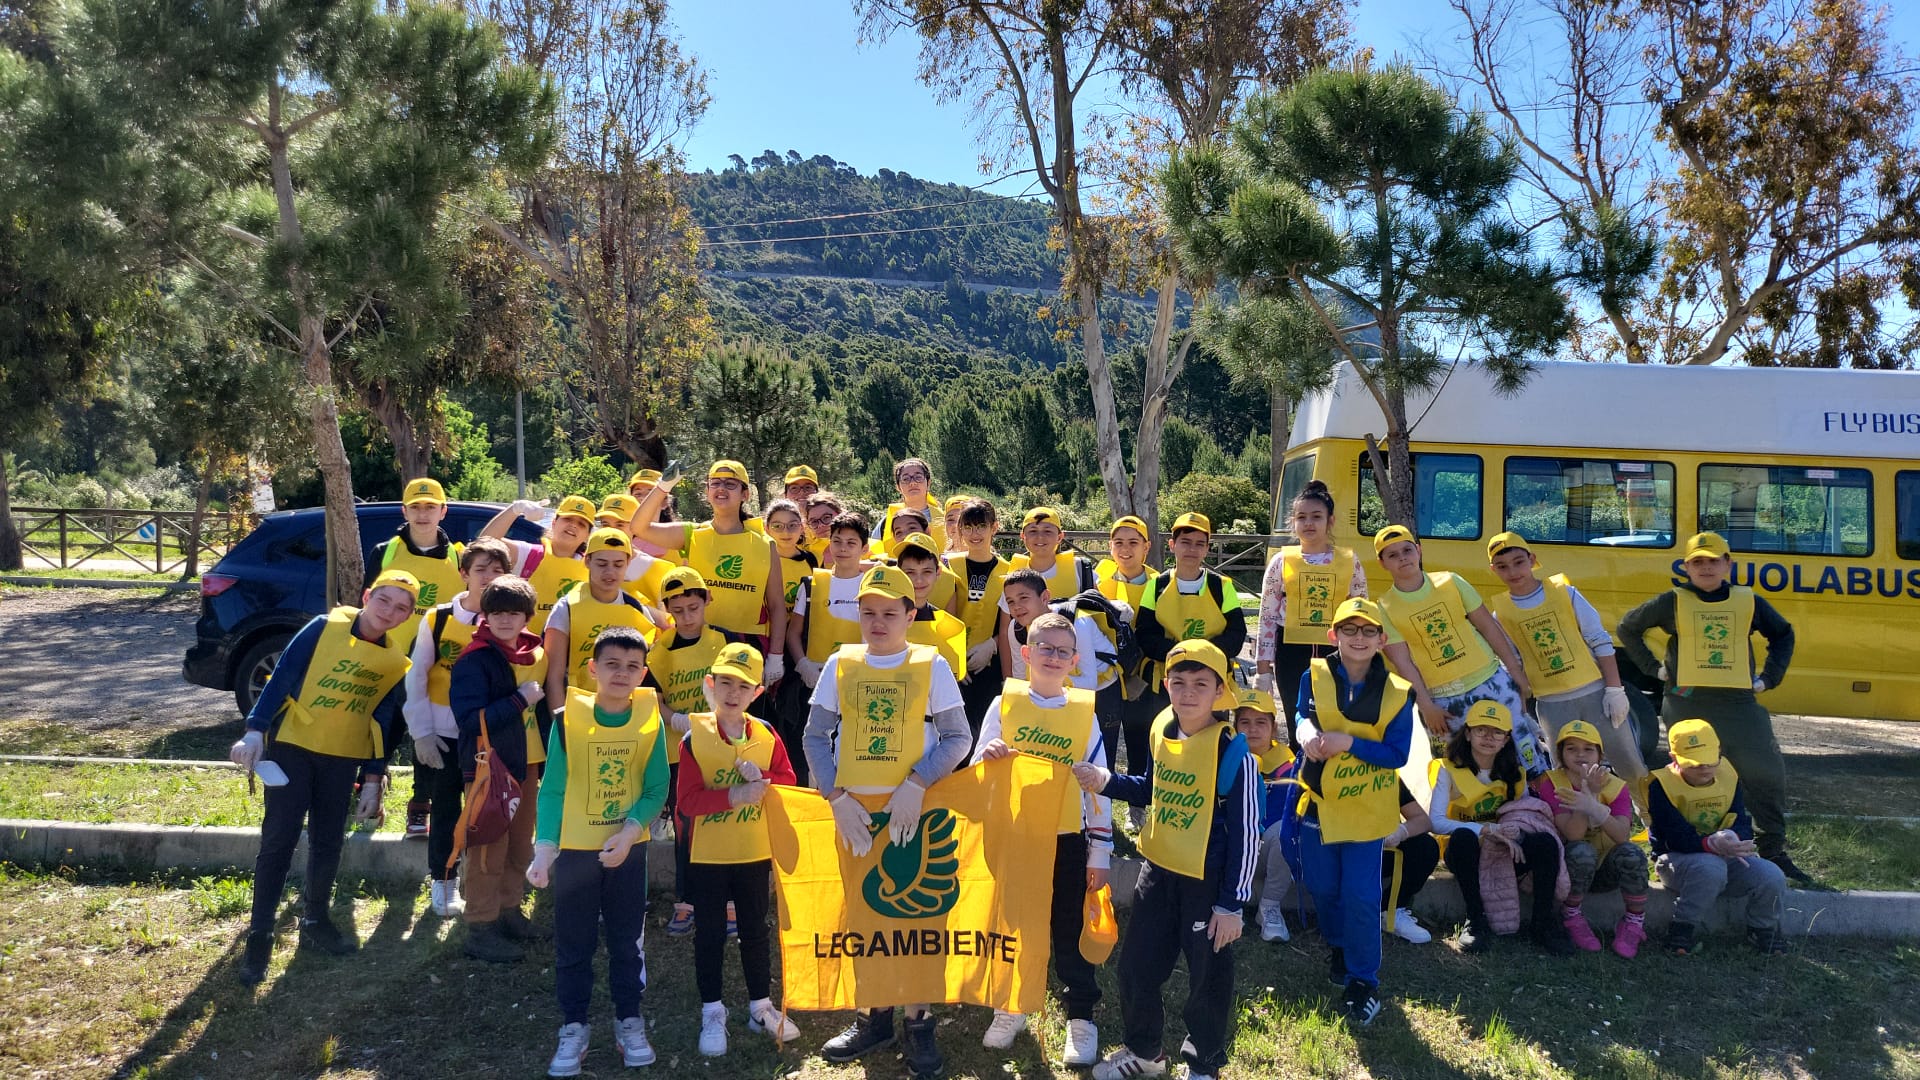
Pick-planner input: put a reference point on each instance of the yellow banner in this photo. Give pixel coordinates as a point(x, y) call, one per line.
point(960, 914)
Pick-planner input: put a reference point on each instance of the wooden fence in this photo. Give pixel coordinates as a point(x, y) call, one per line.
point(151, 541)
point(1240, 556)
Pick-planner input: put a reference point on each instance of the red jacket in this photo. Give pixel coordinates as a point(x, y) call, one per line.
point(697, 800)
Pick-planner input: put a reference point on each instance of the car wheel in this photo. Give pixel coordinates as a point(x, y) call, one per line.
point(250, 677)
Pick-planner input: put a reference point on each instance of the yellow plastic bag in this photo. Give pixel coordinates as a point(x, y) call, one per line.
point(1099, 930)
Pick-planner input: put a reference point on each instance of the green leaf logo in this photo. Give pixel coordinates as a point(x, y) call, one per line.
point(1195, 628)
point(730, 567)
point(918, 880)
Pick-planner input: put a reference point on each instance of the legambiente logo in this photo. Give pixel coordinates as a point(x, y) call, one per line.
point(730, 566)
point(917, 880)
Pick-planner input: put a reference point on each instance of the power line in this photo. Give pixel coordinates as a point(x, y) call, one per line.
point(879, 232)
point(1550, 106)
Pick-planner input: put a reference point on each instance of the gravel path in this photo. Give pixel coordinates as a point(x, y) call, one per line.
point(100, 658)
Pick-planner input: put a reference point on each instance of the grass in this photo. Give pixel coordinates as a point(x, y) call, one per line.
point(206, 742)
point(1847, 853)
point(81, 573)
point(158, 795)
point(119, 977)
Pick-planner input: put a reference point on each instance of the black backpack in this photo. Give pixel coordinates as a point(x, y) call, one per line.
point(1115, 622)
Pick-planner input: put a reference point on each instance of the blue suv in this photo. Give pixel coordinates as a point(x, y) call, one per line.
point(274, 580)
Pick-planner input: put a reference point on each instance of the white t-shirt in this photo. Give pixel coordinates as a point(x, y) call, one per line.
point(1088, 672)
point(422, 715)
point(561, 617)
point(843, 597)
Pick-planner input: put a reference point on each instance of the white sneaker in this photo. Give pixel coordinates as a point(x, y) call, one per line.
point(631, 1034)
point(1005, 1026)
point(446, 898)
point(1083, 1044)
point(1192, 1073)
point(772, 1023)
point(1273, 924)
point(571, 1051)
point(1124, 1064)
point(1401, 924)
point(713, 1029)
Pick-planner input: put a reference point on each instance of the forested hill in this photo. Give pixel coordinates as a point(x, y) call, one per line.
point(824, 213)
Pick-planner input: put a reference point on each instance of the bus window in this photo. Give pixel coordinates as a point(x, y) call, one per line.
point(1789, 509)
point(1585, 501)
point(1446, 497)
point(1906, 514)
point(1293, 477)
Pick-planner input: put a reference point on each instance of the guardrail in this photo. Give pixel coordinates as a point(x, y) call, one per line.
point(157, 541)
point(1241, 556)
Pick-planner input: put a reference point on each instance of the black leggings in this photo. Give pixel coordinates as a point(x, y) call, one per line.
point(710, 886)
point(1540, 856)
point(1414, 860)
point(443, 789)
point(1289, 664)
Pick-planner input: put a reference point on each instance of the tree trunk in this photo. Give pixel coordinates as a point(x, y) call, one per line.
point(1106, 419)
point(1280, 423)
point(10, 554)
point(202, 492)
point(1396, 494)
point(345, 568)
point(1156, 386)
point(412, 437)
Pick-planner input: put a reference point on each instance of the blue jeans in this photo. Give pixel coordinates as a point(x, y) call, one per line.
point(1345, 882)
point(588, 899)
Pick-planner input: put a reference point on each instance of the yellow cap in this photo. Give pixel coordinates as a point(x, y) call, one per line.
point(885, 581)
point(729, 470)
point(1192, 520)
point(1506, 541)
point(681, 579)
point(423, 490)
point(1202, 651)
point(1130, 522)
point(619, 508)
point(1359, 607)
point(1490, 714)
point(1580, 729)
point(801, 474)
point(1694, 742)
point(1039, 514)
point(398, 579)
point(1706, 545)
point(1257, 700)
point(576, 506)
point(609, 539)
point(740, 660)
point(955, 502)
point(914, 540)
point(649, 477)
point(1391, 535)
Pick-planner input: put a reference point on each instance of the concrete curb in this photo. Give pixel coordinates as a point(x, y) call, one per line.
point(98, 583)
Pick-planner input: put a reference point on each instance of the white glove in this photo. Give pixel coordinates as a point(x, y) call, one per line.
point(531, 692)
point(373, 788)
point(1661, 673)
point(540, 870)
point(1263, 682)
point(809, 671)
point(527, 508)
point(1759, 686)
point(903, 812)
point(776, 668)
point(1614, 701)
point(747, 769)
point(427, 750)
point(746, 794)
point(1092, 778)
point(852, 821)
point(680, 722)
point(981, 655)
point(247, 752)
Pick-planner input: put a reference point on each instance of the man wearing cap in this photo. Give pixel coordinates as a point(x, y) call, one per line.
point(1190, 602)
point(326, 719)
point(1703, 842)
point(421, 548)
point(1710, 674)
point(1123, 577)
point(554, 565)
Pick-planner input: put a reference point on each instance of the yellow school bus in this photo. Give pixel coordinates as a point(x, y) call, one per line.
point(1812, 476)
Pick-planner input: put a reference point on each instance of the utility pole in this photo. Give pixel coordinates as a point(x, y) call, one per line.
point(519, 446)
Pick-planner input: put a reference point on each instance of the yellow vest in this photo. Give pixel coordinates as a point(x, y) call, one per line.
point(1610, 790)
point(523, 674)
point(737, 834)
point(819, 549)
point(1060, 735)
point(1548, 636)
point(1313, 592)
point(1107, 578)
point(448, 644)
point(1063, 581)
point(825, 630)
point(1186, 773)
point(1358, 800)
point(794, 569)
point(982, 616)
point(332, 713)
point(439, 582)
point(646, 587)
point(1708, 809)
point(1711, 639)
point(1446, 648)
point(735, 566)
point(944, 588)
point(551, 579)
point(883, 716)
point(585, 619)
point(682, 673)
point(943, 632)
point(1475, 801)
point(606, 767)
point(1185, 617)
point(883, 539)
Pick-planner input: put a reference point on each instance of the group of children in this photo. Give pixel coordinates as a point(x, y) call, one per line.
point(630, 671)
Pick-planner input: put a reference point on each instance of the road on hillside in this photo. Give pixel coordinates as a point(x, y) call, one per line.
point(908, 283)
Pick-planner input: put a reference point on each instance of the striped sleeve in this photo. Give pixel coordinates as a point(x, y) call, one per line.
point(1240, 813)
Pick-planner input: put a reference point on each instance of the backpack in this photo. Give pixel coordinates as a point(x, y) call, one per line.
point(1115, 622)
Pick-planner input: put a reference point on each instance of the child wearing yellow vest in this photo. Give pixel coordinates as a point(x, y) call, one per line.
point(1026, 596)
point(1710, 674)
point(1703, 842)
point(1202, 846)
point(1480, 783)
point(1067, 574)
point(494, 688)
point(1122, 577)
point(983, 572)
point(579, 616)
point(1190, 602)
point(1303, 585)
point(1567, 654)
point(1355, 728)
point(1047, 718)
point(326, 718)
point(733, 757)
point(444, 633)
point(841, 741)
point(1444, 641)
point(606, 781)
point(932, 624)
point(1254, 718)
point(800, 484)
point(644, 569)
point(554, 565)
point(827, 607)
point(421, 548)
point(1594, 814)
point(637, 487)
point(912, 478)
point(787, 528)
point(821, 508)
point(951, 515)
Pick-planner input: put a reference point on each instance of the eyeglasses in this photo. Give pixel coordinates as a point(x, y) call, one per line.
point(721, 483)
point(820, 522)
point(980, 528)
point(1053, 652)
point(913, 478)
point(783, 526)
point(1362, 630)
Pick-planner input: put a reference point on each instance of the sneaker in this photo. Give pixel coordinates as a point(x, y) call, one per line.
point(417, 810)
point(1553, 941)
point(923, 1054)
point(1579, 930)
point(1005, 1026)
point(486, 941)
point(571, 1052)
point(515, 924)
point(773, 1023)
point(733, 922)
point(1627, 936)
point(631, 1035)
point(682, 922)
point(869, 1031)
point(1680, 939)
point(323, 935)
point(1404, 926)
point(1794, 873)
point(1083, 1044)
point(253, 964)
point(1475, 936)
point(1768, 941)
point(446, 898)
point(1361, 1003)
point(1124, 1064)
point(713, 1029)
point(1337, 966)
point(1191, 1073)
point(1273, 924)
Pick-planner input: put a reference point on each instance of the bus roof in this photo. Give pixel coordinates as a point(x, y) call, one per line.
point(1648, 407)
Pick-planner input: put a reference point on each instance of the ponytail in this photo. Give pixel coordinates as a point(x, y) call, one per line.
point(1316, 491)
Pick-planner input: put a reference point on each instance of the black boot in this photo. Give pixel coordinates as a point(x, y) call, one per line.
point(1794, 873)
point(1337, 966)
point(1768, 941)
point(321, 934)
point(486, 941)
point(253, 963)
point(1680, 939)
point(515, 924)
point(923, 1057)
point(871, 1029)
point(1553, 940)
point(1475, 935)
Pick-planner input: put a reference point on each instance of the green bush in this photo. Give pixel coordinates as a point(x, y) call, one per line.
point(1225, 500)
point(593, 476)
